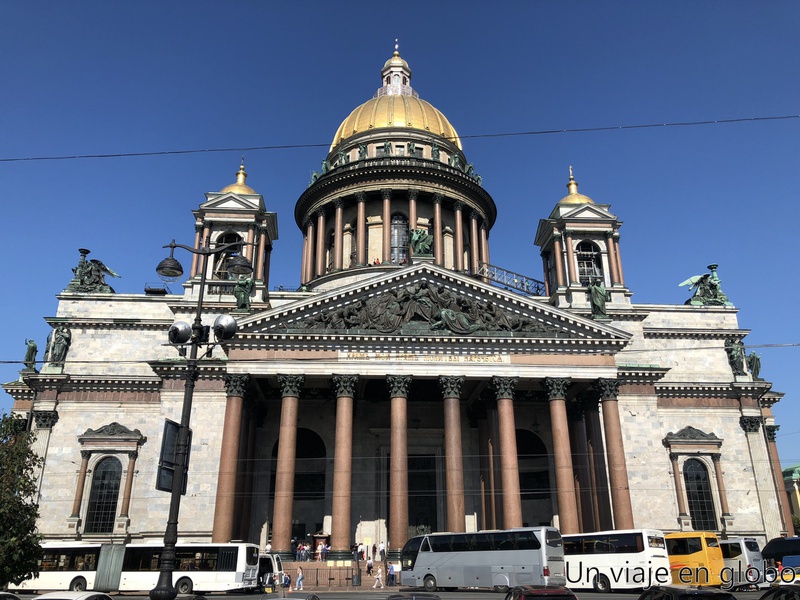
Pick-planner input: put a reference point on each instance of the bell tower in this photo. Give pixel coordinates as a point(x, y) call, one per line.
point(580, 246)
point(234, 214)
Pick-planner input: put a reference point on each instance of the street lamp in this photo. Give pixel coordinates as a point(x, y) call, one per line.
point(170, 269)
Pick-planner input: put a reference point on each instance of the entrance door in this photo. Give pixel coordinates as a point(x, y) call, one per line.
point(422, 509)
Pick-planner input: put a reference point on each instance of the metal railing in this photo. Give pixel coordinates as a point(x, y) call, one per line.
point(510, 280)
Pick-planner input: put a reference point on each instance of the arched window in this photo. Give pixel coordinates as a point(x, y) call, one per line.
point(698, 494)
point(399, 239)
point(590, 265)
point(221, 264)
point(103, 499)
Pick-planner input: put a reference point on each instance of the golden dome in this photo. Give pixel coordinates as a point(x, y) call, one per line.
point(240, 187)
point(396, 111)
point(574, 197)
point(396, 105)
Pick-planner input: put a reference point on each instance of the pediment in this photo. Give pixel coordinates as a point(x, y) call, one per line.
point(691, 435)
point(589, 211)
point(230, 201)
point(429, 305)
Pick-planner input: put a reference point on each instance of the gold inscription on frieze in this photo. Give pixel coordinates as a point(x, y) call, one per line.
point(423, 358)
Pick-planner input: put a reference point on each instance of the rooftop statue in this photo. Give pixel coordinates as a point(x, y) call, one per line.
point(598, 296)
point(707, 290)
point(754, 366)
point(421, 242)
point(244, 285)
point(30, 355)
point(736, 356)
point(59, 344)
point(90, 276)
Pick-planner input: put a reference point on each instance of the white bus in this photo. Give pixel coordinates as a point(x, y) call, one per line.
point(484, 559)
point(79, 566)
point(617, 560)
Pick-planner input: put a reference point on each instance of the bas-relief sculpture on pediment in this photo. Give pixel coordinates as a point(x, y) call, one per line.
point(422, 308)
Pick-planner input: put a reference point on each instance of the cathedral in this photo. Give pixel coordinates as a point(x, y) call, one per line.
point(410, 384)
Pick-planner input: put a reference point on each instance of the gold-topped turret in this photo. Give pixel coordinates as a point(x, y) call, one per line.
point(574, 197)
point(240, 187)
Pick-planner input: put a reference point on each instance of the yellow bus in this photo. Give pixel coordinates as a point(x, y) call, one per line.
point(695, 558)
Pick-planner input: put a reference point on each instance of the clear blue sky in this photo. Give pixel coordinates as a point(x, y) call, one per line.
point(111, 77)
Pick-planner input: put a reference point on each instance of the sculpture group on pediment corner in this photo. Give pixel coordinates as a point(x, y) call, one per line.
point(707, 289)
point(421, 242)
point(423, 307)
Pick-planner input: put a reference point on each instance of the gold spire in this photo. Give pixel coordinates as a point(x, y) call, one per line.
point(240, 187)
point(574, 197)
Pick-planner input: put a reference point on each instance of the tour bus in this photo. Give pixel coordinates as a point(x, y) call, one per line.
point(79, 566)
point(695, 558)
point(616, 560)
point(743, 561)
point(484, 559)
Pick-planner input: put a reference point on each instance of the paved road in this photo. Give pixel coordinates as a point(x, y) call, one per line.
point(370, 594)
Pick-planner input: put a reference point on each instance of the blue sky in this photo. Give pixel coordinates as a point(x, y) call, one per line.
point(85, 77)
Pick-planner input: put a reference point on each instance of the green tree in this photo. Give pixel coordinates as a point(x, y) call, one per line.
point(19, 538)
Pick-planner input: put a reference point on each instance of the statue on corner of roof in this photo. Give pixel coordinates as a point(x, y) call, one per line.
point(90, 276)
point(754, 366)
point(30, 355)
point(736, 356)
point(707, 289)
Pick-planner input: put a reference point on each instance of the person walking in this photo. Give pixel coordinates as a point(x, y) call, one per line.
point(378, 578)
point(299, 585)
point(369, 566)
point(390, 575)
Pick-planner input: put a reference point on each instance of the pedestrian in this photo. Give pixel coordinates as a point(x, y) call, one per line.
point(391, 574)
point(378, 578)
point(361, 550)
point(382, 552)
point(369, 566)
point(374, 552)
point(299, 585)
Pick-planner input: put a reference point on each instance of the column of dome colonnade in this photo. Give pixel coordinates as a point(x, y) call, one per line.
point(398, 462)
point(565, 483)
point(509, 461)
point(454, 459)
point(225, 504)
point(285, 469)
point(342, 466)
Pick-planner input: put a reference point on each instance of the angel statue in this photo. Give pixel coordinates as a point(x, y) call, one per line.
point(421, 242)
point(90, 276)
point(707, 290)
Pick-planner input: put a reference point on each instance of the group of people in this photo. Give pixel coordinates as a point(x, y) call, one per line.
point(305, 551)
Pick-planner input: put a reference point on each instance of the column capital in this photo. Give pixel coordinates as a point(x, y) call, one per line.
point(235, 385)
point(198, 227)
point(556, 387)
point(386, 193)
point(673, 457)
point(451, 386)
point(458, 205)
point(716, 456)
point(474, 215)
point(320, 212)
point(484, 225)
point(750, 424)
point(86, 454)
point(133, 456)
point(607, 389)
point(771, 430)
point(308, 223)
point(504, 386)
point(398, 385)
point(345, 385)
point(45, 419)
point(291, 384)
point(361, 197)
point(412, 194)
point(437, 198)
point(338, 203)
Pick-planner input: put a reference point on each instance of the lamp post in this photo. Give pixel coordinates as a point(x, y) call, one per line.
point(170, 269)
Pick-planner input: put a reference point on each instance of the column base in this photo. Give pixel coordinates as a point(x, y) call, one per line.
point(74, 526)
point(726, 521)
point(685, 522)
